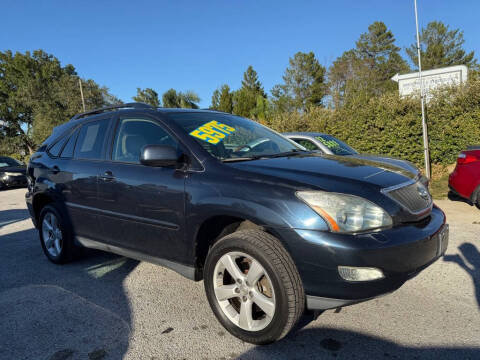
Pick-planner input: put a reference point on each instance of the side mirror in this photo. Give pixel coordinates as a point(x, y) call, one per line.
point(159, 155)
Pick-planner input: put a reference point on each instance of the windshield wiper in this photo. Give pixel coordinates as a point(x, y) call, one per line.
point(293, 152)
point(244, 158)
point(268, 156)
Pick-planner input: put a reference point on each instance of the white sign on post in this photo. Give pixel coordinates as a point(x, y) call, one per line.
point(409, 84)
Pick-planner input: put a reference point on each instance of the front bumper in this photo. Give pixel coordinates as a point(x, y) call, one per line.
point(12, 181)
point(400, 252)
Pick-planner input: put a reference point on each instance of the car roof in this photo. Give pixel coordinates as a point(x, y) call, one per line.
point(146, 110)
point(311, 134)
point(129, 107)
point(180, 110)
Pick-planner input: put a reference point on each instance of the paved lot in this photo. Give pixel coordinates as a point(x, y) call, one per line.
point(108, 307)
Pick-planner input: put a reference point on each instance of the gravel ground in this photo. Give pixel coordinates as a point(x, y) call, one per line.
point(109, 307)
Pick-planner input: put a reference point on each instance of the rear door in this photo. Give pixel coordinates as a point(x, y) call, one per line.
point(77, 170)
point(142, 207)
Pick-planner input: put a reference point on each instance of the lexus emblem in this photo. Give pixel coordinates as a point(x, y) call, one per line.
point(423, 193)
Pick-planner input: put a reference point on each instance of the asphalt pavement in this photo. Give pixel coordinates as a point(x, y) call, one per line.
point(104, 306)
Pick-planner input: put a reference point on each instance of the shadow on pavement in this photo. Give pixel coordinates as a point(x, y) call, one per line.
point(471, 265)
point(328, 343)
point(11, 216)
point(48, 311)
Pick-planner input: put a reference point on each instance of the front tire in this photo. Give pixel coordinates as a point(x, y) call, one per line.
point(55, 236)
point(253, 286)
point(477, 202)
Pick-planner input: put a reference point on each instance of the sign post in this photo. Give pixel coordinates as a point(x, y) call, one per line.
point(422, 99)
point(81, 94)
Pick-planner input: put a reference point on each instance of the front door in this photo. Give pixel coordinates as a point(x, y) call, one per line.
point(142, 207)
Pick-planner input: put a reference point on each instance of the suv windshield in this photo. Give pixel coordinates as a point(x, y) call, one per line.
point(5, 162)
point(232, 138)
point(337, 147)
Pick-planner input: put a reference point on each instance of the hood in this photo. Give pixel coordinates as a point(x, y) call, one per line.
point(18, 169)
point(401, 164)
point(308, 168)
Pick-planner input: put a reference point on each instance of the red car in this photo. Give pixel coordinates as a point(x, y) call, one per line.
point(465, 179)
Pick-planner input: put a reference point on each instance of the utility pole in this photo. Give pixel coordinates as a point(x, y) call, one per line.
point(422, 99)
point(81, 94)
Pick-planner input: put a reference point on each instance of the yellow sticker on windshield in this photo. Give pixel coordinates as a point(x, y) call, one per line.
point(212, 132)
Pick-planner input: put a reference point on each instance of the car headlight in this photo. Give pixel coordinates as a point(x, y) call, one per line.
point(346, 213)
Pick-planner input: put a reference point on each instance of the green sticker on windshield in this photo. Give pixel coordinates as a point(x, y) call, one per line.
point(212, 132)
point(328, 143)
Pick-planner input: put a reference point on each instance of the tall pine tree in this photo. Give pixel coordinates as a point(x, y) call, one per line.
point(245, 98)
point(441, 47)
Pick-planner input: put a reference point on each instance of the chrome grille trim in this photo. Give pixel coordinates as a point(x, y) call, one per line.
point(407, 196)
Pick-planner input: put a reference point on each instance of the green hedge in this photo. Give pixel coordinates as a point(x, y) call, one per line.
point(392, 126)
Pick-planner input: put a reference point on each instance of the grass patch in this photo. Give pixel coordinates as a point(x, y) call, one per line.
point(439, 181)
point(439, 187)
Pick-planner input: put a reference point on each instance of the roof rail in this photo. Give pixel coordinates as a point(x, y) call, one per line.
point(135, 105)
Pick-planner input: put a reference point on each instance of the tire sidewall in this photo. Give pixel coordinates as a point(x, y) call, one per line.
point(65, 252)
point(280, 318)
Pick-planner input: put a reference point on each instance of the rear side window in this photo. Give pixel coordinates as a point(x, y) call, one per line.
point(57, 147)
point(67, 151)
point(90, 140)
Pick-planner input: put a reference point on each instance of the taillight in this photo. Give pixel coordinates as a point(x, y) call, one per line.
point(466, 158)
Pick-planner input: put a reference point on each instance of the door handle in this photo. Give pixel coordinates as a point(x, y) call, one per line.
point(55, 169)
point(107, 176)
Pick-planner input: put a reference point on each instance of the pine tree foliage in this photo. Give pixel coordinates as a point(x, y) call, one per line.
point(147, 96)
point(304, 84)
point(441, 47)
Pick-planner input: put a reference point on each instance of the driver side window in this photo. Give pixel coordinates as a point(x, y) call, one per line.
point(133, 134)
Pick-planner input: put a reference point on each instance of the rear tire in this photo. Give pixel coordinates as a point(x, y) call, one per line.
point(56, 236)
point(272, 296)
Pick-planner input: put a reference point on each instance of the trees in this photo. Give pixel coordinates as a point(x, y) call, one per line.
point(147, 96)
point(377, 48)
point(222, 99)
point(441, 47)
point(245, 98)
point(304, 83)
point(173, 99)
point(37, 93)
point(347, 76)
point(367, 69)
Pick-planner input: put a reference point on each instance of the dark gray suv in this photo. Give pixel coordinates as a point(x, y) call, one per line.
point(272, 229)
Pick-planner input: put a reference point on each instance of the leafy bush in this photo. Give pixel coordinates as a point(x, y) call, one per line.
point(392, 126)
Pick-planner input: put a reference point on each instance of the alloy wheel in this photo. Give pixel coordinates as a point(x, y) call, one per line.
point(52, 234)
point(244, 291)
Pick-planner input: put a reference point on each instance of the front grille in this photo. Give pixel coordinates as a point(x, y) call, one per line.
point(414, 197)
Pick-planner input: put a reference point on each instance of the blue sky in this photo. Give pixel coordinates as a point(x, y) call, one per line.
point(199, 45)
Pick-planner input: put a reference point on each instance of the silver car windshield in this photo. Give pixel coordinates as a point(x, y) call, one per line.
point(335, 145)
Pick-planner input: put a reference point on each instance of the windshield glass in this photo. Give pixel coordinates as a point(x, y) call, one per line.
point(229, 137)
point(337, 147)
point(4, 162)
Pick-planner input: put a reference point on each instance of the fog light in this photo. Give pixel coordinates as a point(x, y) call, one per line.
point(351, 273)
